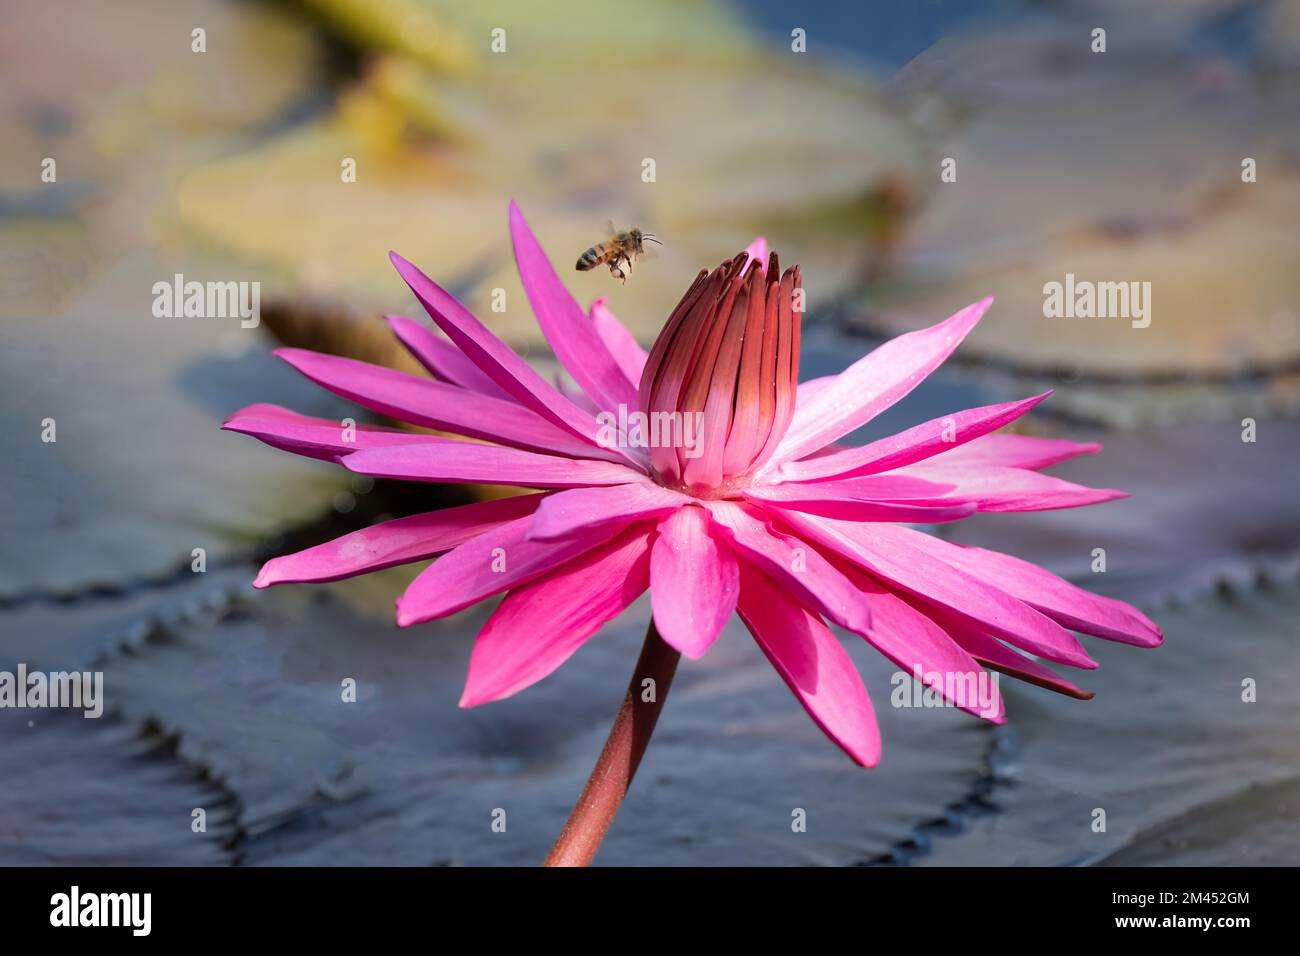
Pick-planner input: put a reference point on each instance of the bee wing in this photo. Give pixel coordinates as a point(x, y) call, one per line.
point(610, 231)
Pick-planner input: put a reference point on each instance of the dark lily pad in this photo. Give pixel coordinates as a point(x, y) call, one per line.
point(95, 792)
point(140, 474)
point(135, 479)
point(1184, 768)
point(1257, 826)
point(84, 632)
point(402, 776)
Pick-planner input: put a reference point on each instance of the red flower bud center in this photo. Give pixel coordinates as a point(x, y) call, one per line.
point(719, 386)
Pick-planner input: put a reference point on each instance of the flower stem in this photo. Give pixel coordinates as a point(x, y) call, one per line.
point(626, 744)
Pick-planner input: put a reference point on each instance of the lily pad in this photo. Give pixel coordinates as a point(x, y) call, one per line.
point(436, 188)
point(1257, 826)
point(138, 474)
point(97, 793)
point(1125, 167)
point(402, 776)
point(1186, 769)
point(84, 632)
point(120, 117)
point(109, 414)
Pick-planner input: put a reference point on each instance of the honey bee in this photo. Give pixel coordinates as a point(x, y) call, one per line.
point(620, 247)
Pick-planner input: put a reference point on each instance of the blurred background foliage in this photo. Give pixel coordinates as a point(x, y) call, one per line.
point(226, 165)
point(562, 121)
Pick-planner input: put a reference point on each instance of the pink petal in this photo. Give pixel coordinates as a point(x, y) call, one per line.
point(623, 347)
point(395, 542)
point(935, 437)
point(792, 563)
point(874, 383)
point(320, 438)
point(541, 624)
point(819, 500)
point(813, 664)
point(496, 359)
point(694, 581)
point(571, 334)
point(1019, 451)
point(441, 358)
point(488, 564)
point(914, 641)
point(575, 394)
point(998, 656)
point(565, 512)
point(809, 390)
point(757, 250)
point(461, 461)
point(422, 401)
point(888, 552)
point(886, 487)
point(1067, 604)
point(992, 488)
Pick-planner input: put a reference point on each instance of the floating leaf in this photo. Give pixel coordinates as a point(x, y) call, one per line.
point(1256, 826)
point(139, 474)
point(402, 776)
point(1120, 167)
point(438, 158)
point(96, 793)
point(1186, 770)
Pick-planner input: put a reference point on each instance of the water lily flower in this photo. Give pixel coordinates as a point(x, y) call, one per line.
point(762, 513)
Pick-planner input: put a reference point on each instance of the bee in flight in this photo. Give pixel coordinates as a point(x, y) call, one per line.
point(620, 247)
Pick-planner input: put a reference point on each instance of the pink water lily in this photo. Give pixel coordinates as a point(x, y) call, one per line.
point(765, 515)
